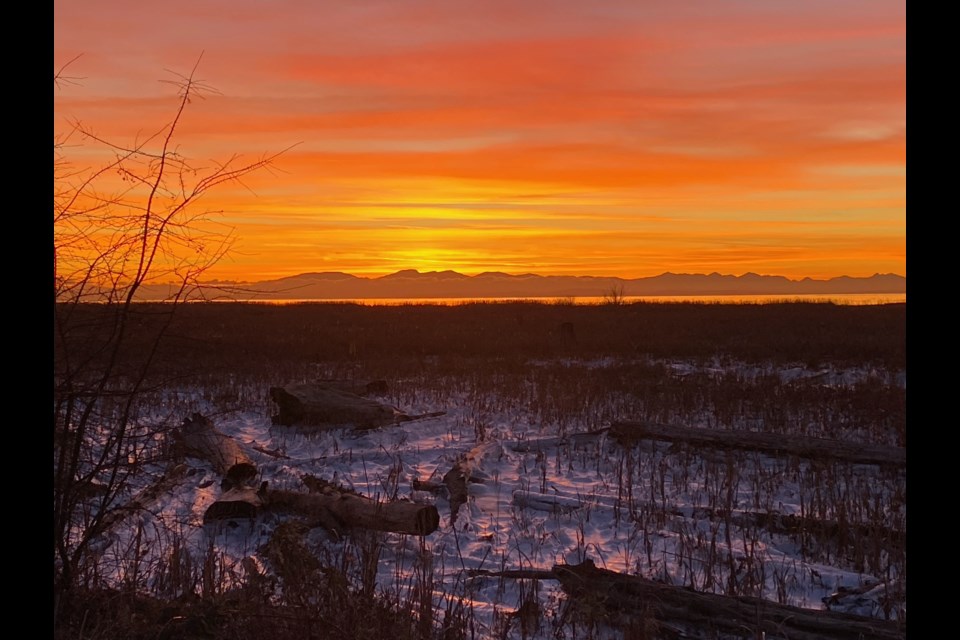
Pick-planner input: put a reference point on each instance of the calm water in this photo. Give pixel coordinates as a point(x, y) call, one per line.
point(836, 298)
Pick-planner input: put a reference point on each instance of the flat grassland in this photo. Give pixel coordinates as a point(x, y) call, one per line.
point(251, 337)
point(531, 385)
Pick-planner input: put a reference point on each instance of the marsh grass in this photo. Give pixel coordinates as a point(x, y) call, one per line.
point(698, 365)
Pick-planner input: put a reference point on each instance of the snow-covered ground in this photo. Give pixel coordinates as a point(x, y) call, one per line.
point(544, 495)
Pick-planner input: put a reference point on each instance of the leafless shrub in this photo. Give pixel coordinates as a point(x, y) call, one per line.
point(129, 218)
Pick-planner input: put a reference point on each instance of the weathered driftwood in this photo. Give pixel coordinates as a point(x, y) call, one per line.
point(335, 404)
point(464, 471)
point(328, 406)
point(624, 596)
point(794, 525)
point(822, 531)
point(573, 439)
point(333, 508)
point(347, 510)
point(775, 443)
point(198, 438)
point(545, 502)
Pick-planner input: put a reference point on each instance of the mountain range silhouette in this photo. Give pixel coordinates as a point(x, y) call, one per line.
point(410, 283)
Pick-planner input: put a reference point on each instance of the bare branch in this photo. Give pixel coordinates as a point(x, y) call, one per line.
point(130, 219)
point(61, 80)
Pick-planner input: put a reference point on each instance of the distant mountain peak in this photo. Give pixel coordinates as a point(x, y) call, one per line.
point(403, 273)
point(448, 273)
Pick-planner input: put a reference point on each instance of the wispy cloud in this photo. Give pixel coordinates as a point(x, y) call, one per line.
point(766, 137)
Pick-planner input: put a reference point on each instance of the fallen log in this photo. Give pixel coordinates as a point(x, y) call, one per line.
point(545, 502)
point(795, 525)
point(630, 597)
point(574, 439)
point(346, 510)
point(623, 594)
point(822, 532)
point(198, 438)
point(627, 433)
point(326, 406)
point(332, 507)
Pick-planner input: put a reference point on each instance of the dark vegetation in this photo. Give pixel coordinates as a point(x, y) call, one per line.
point(506, 355)
point(246, 336)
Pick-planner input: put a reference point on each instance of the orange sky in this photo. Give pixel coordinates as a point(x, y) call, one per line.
point(616, 138)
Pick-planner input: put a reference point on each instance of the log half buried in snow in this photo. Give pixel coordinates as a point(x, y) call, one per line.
point(345, 510)
point(573, 439)
point(545, 502)
point(634, 599)
point(626, 595)
point(334, 509)
point(198, 438)
point(773, 443)
point(842, 535)
point(326, 406)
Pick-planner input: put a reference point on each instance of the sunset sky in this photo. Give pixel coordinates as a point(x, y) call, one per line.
point(613, 138)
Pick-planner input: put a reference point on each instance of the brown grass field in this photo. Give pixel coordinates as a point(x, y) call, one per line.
point(507, 355)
